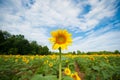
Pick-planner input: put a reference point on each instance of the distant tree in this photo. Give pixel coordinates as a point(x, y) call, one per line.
point(13, 51)
point(44, 50)
point(6, 34)
point(116, 52)
point(88, 53)
point(78, 52)
point(69, 52)
point(4, 42)
point(2, 39)
point(74, 52)
point(17, 44)
point(34, 47)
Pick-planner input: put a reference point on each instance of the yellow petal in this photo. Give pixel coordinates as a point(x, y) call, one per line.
point(55, 46)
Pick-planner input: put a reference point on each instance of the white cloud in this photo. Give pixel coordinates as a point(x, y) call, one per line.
point(102, 39)
point(52, 13)
point(16, 18)
point(77, 38)
point(99, 10)
point(59, 12)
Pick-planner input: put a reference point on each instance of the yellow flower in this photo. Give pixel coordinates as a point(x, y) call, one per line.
point(105, 57)
point(25, 60)
point(60, 38)
point(53, 56)
point(92, 58)
point(67, 71)
point(50, 64)
point(75, 76)
point(46, 62)
point(32, 57)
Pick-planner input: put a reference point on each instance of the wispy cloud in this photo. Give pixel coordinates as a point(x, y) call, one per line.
point(99, 40)
point(59, 12)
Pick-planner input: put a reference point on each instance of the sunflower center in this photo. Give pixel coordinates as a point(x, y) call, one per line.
point(67, 71)
point(60, 39)
point(74, 76)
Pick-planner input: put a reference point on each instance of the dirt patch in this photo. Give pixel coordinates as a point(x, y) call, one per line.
point(77, 69)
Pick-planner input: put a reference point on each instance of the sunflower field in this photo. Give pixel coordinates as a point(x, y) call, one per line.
point(58, 66)
point(38, 67)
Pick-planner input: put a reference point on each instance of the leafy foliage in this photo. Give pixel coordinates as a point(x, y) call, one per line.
point(17, 44)
point(34, 67)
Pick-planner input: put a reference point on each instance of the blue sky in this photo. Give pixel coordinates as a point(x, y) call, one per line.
point(94, 24)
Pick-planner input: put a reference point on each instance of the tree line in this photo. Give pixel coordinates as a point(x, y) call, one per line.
point(78, 52)
point(17, 44)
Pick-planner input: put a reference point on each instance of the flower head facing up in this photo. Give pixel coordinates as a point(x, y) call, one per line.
point(60, 38)
point(67, 71)
point(50, 64)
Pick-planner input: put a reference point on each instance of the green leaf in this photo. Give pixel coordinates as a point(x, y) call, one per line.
point(51, 77)
point(37, 77)
point(40, 77)
point(105, 75)
point(96, 68)
point(67, 78)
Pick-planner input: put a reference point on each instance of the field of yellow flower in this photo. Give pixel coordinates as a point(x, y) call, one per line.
point(37, 67)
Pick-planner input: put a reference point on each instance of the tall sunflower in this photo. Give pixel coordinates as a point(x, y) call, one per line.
point(60, 38)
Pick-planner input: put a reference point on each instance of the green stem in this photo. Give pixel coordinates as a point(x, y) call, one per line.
point(60, 65)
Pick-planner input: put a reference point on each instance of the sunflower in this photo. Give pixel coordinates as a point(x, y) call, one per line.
point(75, 76)
point(67, 71)
point(60, 38)
point(50, 64)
